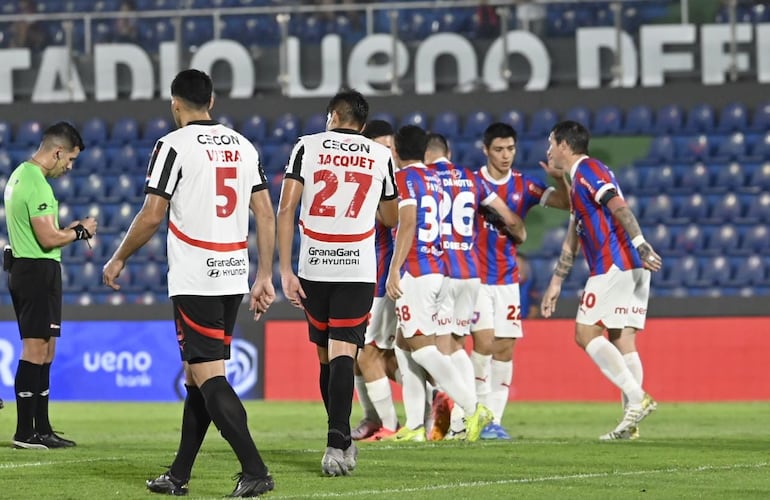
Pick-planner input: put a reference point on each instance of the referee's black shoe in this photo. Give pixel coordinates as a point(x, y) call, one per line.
point(167, 485)
point(1, 403)
point(33, 442)
point(252, 486)
point(53, 440)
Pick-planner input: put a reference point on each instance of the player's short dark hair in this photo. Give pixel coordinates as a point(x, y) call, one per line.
point(574, 134)
point(410, 142)
point(499, 130)
point(437, 142)
point(351, 107)
point(194, 87)
point(377, 128)
point(65, 134)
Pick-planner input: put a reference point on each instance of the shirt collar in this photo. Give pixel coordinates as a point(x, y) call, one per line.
point(575, 166)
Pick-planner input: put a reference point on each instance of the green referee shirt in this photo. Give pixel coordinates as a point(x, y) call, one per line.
point(28, 194)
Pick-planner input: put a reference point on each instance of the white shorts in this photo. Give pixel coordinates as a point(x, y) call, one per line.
point(457, 308)
point(498, 308)
point(608, 299)
point(382, 324)
point(641, 296)
point(418, 307)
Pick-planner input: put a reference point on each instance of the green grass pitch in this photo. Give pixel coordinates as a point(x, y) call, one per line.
point(719, 450)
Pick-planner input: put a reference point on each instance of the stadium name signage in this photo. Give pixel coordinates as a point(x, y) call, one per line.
point(662, 49)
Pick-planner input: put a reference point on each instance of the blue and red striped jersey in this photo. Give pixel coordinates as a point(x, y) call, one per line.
point(383, 249)
point(464, 193)
point(603, 239)
point(497, 253)
point(421, 187)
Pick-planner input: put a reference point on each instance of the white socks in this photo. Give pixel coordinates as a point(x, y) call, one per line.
point(363, 397)
point(500, 380)
point(413, 388)
point(445, 375)
point(382, 400)
point(611, 363)
point(481, 375)
point(634, 364)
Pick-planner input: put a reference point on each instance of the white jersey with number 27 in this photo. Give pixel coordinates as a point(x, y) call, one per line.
point(345, 175)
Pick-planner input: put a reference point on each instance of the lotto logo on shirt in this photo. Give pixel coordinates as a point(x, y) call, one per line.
point(333, 256)
point(234, 266)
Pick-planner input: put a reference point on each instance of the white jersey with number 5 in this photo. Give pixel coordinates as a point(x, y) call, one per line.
point(207, 172)
point(345, 175)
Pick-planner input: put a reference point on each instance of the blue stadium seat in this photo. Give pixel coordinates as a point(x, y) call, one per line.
point(124, 159)
point(692, 208)
point(715, 271)
point(696, 179)
point(731, 177)
point(154, 129)
point(226, 120)
point(758, 210)
point(92, 160)
point(760, 151)
point(197, 30)
point(755, 240)
point(657, 180)
point(414, 118)
point(285, 129)
point(475, 124)
point(760, 121)
point(669, 120)
point(759, 179)
point(725, 208)
point(638, 121)
point(542, 122)
point(124, 131)
point(63, 187)
point(87, 277)
point(94, 132)
point(657, 209)
point(446, 123)
point(732, 147)
point(660, 237)
point(662, 150)
point(515, 119)
point(147, 276)
point(681, 272)
point(29, 133)
point(630, 180)
point(607, 121)
point(279, 158)
point(752, 271)
point(536, 153)
point(314, 123)
point(5, 135)
point(700, 119)
point(723, 240)
point(89, 189)
point(694, 148)
point(153, 250)
point(387, 117)
point(581, 115)
point(122, 188)
point(473, 157)
point(688, 240)
point(254, 128)
point(733, 118)
point(122, 217)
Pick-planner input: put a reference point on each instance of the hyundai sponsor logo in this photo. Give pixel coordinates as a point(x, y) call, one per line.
point(333, 256)
point(232, 266)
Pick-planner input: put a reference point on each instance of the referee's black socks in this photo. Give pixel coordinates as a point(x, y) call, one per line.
point(27, 387)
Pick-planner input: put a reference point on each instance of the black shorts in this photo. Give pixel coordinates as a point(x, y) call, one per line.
point(204, 326)
point(36, 292)
point(337, 310)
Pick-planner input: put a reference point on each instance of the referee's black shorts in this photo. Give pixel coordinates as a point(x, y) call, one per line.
point(337, 310)
point(204, 325)
point(36, 292)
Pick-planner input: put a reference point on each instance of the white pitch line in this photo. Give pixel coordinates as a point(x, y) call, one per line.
point(527, 480)
point(61, 462)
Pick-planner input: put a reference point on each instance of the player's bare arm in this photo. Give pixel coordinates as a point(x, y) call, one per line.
point(262, 291)
point(291, 192)
point(144, 225)
point(627, 220)
point(50, 236)
point(563, 267)
point(407, 225)
point(387, 212)
point(559, 197)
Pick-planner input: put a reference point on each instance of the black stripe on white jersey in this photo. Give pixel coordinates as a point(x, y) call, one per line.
point(166, 172)
point(154, 157)
point(296, 168)
point(392, 177)
point(262, 181)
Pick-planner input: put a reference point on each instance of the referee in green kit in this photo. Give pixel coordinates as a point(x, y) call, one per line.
point(34, 266)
